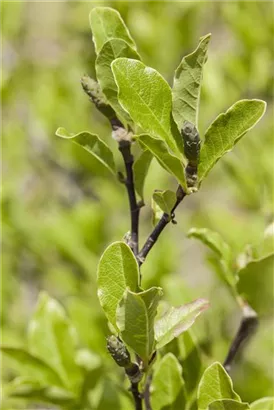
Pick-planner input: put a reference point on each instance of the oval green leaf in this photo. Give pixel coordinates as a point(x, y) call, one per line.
point(227, 404)
point(146, 96)
point(140, 170)
point(167, 389)
point(266, 403)
point(135, 319)
point(106, 24)
point(165, 200)
point(117, 270)
point(215, 384)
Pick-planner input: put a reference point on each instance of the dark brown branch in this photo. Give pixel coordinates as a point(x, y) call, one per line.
point(247, 327)
point(125, 149)
point(153, 237)
point(147, 393)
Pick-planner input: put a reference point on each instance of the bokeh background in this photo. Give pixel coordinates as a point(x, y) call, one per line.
point(61, 209)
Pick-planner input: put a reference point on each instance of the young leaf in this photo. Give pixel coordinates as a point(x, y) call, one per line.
point(187, 85)
point(254, 283)
point(215, 242)
point(106, 24)
point(52, 339)
point(117, 270)
point(214, 385)
point(146, 96)
point(227, 404)
point(93, 144)
point(167, 389)
point(32, 367)
point(165, 200)
point(177, 320)
point(226, 130)
point(111, 50)
point(266, 403)
point(157, 213)
point(167, 160)
point(135, 320)
point(140, 170)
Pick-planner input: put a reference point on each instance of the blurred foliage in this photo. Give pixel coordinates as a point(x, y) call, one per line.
point(61, 209)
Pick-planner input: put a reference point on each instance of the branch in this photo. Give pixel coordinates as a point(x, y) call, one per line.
point(166, 218)
point(125, 149)
point(147, 393)
point(247, 327)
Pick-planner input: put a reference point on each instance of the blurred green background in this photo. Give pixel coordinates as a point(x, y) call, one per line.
point(61, 209)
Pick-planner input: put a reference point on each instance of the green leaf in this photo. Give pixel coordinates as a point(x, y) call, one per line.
point(32, 367)
point(228, 405)
point(215, 242)
point(106, 24)
point(146, 96)
point(190, 358)
point(214, 385)
point(117, 270)
point(93, 144)
point(226, 130)
point(266, 403)
point(255, 283)
point(52, 339)
point(168, 161)
point(177, 320)
point(167, 389)
point(140, 170)
point(111, 50)
point(157, 213)
point(187, 85)
point(165, 200)
point(135, 319)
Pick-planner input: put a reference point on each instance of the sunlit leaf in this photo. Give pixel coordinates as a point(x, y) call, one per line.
point(214, 385)
point(117, 270)
point(228, 404)
point(266, 403)
point(146, 96)
point(177, 320)
point(226, 130)
point(187, 85)
point(106, 24)
point(93, 144)
point(167, 389)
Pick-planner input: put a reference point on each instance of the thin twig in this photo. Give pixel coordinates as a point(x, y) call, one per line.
point(137, 396)
point(125, 149)
point(247, 327)
point(147, 393)
point(165, 219)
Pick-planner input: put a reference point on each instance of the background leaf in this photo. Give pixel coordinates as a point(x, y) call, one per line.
point(187, 85)
point(226, 130)
point(266, 403)
point(106, 24)
point(177, 320)
point(214, 385)
point(111, 50)
point(117, 270)
point(32, 367)
point(146, 96)
point(168, 161)
point(167, 388)
point(135, 319)
point(52, 339)
point(228, 405)
point(93, 144)
point(140, 170)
